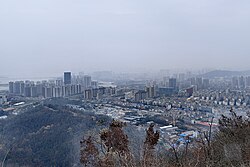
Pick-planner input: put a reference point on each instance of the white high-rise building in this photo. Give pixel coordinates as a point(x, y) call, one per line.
point(87, 81)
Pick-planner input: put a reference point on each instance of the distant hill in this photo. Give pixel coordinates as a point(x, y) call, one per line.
point(225, 73)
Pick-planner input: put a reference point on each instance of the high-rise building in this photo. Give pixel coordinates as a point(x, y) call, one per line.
point(242, 82)
point(44, 93)
point(59, 82)
point(67, 90)
point(78, 89)
point(172, 83)
point(94, 84)
point(49, 92)
point(141, 95)
point(73, 89)
point(205, 83)
point(150, 91)
point(235, 82)
point(34, 91)
point(22, 88)
point(199, 82)
point(67, 78)
point(56, 91)
point(63, 91)
point(39, 87)
point(11, 87)
point(248, 81)
point(87, 81)
point(165, 81)
point(17, 88)
point(192, 81)
point(88, 94)
point(27, 91)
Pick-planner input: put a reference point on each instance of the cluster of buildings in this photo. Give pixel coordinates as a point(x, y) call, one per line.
point(182, 82)
point(229, 94)
point(227, 97)
point(172, 87)
point(149, 92)
point(177, 105)
point(175, 122)
point(240, 82)
point(63, 87)
point(69, 85)
point(101, 91)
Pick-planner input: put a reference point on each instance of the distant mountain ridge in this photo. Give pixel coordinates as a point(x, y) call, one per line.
point(225, 73)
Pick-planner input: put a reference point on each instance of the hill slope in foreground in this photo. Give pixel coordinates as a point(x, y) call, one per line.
point(45, 136)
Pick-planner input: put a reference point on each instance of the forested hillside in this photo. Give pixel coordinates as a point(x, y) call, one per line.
point(46, 135)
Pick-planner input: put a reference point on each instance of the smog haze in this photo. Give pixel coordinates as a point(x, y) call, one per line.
point(46, 37)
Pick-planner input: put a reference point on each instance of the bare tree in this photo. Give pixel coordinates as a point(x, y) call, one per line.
point(151, 141)
point(89, 154)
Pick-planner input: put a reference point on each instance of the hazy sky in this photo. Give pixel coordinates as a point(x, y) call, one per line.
point(47, 37)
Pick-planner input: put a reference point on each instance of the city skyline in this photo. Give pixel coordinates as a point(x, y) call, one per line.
point(43, 38)
point(125, 83)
